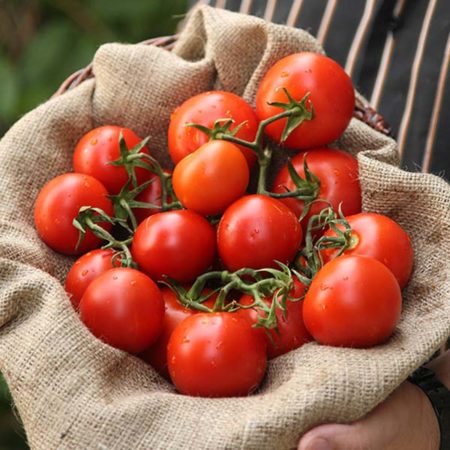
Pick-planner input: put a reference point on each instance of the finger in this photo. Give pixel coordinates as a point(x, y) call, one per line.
point(331, 437)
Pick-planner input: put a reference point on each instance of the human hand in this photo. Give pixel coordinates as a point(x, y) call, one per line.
point(404, 421)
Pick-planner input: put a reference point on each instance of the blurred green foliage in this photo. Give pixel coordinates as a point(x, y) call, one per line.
point(44, 41)
point(41, 43)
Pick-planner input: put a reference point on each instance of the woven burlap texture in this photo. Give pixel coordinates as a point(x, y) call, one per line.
point(74, 392)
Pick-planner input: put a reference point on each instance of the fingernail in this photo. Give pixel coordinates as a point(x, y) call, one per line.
point(319, 444)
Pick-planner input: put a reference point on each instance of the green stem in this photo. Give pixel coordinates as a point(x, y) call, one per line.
point(264, 159)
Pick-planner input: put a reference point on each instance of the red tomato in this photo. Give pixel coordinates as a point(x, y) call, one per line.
point(85, 270)
point(58, 204)
point(353, 301)
point(291, 333)
point(174, 244)
point(100, 146)
point(204, 109)
point(337, 171)
point(175, 313)
point(331, 94)
point(216, 355)
point(381, 238)
point(256, 231)
point(124, 308)
point(211, 178)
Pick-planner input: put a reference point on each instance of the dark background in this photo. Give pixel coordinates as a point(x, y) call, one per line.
point(41, 43)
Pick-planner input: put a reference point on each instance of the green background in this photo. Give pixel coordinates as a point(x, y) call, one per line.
point(41, 43)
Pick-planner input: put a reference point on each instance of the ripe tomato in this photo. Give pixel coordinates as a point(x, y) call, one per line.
point(174, 244)
point(85, 270)
point(331, 94)
point(256, 231)
point(216, 355)
point(353, 301)
point(124, 308)
point(291, 333)
point(175, 313)
point(204, 109)
point(58, 204)
point(100, 146)
point(337, 171)
point(211, 178)
point(381, 238)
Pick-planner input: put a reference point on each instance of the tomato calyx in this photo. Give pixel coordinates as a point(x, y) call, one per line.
point(128, 156)
point(124, 201)
point(260, 284)
point(307, 189)
point(130, 159)
point(308, 260)
point(344, 238)
point(300, 111)
point(88, 218)
point(220, 128)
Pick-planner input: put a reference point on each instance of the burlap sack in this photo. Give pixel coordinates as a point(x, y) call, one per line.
point(74, 392)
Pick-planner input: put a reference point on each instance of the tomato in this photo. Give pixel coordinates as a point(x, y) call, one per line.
point(216, 355)
point(204, 109)
point(291, 332)
point(124, 308)
point(381, 238)
point(58, 203)
point(98, 148)
point(211, 178)
point(331, 94)
point(151, 194)
point(256, 231)
point(85, 270)
point(174, 244)
point(175, 313)
point(353, 301)
point(337, 171)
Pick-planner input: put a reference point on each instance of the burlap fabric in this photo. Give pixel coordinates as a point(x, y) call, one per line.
point(74, 392)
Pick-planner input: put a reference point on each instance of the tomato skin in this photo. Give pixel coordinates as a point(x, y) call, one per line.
point(331, 94)
point(100, 146)
point(255, 231)
point(292, 332)
point(337, 171)
point(216, 355)
point(379, 237)
point(124, 308)
point(85, 270)
point(208, 180)
point(175, 313)
point(205, 109)
point(353, 301)
point(176, 244)
point(58, 203)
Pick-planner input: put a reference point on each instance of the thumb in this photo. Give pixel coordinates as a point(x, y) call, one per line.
point(332, 437)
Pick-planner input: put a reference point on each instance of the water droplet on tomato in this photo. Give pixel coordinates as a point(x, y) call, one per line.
point(114, 277)
point(133, 283)
point(84, 273)
point(284, 74)
point(93, 141)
